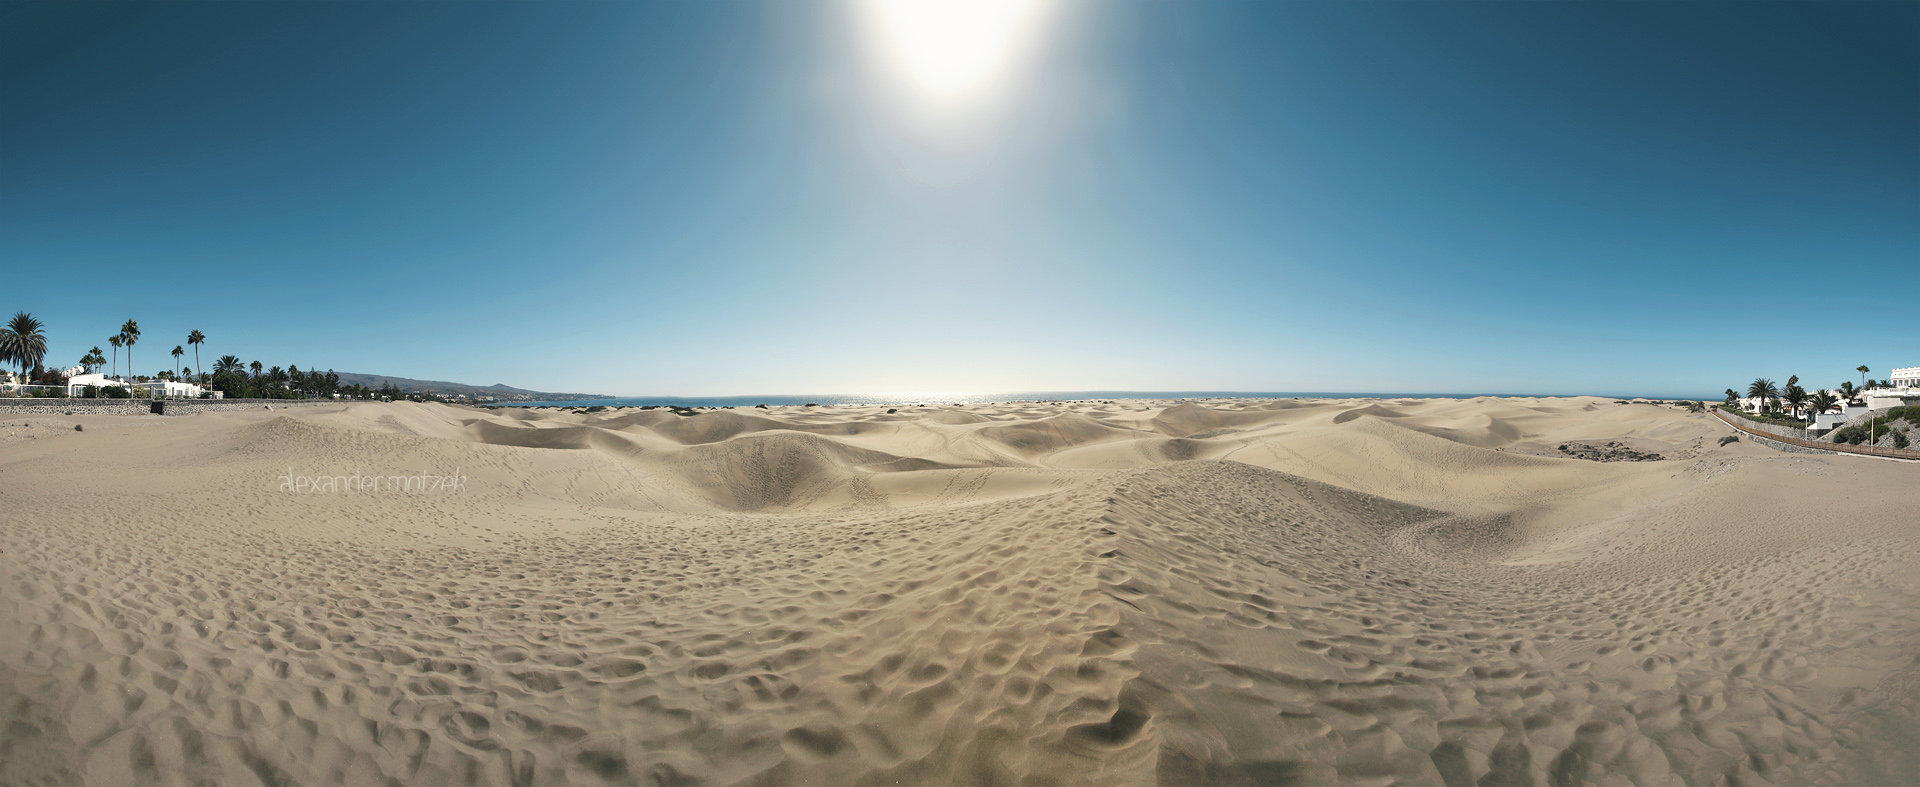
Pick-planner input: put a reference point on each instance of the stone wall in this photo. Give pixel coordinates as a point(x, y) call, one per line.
point(1790, 444)
point(1773, 429)
point(145, 407)
point(191, 406)
point(1787, 447)
point(9, 407)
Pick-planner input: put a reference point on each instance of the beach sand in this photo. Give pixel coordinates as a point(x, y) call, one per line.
point(1291, 592)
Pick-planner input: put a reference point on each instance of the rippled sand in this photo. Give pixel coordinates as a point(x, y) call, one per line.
point(1229, 592)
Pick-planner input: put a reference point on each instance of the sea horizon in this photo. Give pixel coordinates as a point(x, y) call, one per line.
point(795, 400)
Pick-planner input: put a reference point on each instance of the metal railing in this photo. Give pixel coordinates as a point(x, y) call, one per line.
point(1839, 448)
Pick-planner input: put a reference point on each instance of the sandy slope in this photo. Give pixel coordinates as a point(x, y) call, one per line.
point(1234, 593)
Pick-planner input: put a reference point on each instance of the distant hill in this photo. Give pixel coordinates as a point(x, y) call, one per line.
point(499, 392)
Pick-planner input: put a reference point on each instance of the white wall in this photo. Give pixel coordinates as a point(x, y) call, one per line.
point(1888, 398)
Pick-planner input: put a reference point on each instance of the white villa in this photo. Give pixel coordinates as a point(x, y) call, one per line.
point(1829, 421)
point(78, 379)
point(174, 389)
point(75, 382)
point(1903, 388)
point(1905, 379)
point(156, 389)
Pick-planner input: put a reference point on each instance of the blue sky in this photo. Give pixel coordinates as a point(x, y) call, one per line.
point(737, 198)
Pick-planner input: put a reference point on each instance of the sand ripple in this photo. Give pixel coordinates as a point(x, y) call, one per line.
point(1030, 594)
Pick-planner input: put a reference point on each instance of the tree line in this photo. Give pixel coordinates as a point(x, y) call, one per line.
point(237, 379)
point(1797, 402)
point(23, 341)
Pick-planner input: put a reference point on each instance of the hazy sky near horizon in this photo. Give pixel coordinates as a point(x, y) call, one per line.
point(740, 198)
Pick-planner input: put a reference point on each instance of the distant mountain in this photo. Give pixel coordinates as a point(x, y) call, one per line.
point(499, 392)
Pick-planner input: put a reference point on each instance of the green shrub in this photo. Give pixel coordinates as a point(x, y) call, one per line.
point(1765, 418)
point(1878, 427)
point(235, 386)
point(1729, 439)
point(76, 427)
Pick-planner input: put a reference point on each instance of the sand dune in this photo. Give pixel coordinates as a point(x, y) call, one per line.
point(1190, 420)
point(1223, 593)
point(1365, 410)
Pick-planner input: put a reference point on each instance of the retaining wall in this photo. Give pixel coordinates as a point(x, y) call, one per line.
point(1798, 445)
point(145, 406)
point(191, 406)
point(75, 406)
point(1776, 430)
point(1790, 448)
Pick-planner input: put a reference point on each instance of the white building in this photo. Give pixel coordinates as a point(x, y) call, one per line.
point(77, 382)
point(171, 389)
point(156, 389)
point(1903, 388)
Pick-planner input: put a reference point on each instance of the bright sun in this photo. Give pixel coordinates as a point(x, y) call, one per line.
point(953, 51)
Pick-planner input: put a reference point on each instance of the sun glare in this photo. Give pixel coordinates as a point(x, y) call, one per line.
point(953, 51)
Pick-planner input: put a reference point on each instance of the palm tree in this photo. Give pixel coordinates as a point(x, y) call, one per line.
point(23, 340)
point(1795, 397)
point(1847, 390)
point(132, 331)
point(227, 363)
point(1822, 402)
point(196, 339)
point(1732, 396)
point(1764, 390)
point(177, 352)
point(117, 342)
point(94, 359)
point(256, 371)
point(1862, 369)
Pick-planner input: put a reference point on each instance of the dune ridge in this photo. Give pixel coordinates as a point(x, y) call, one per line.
point(1223, 592)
